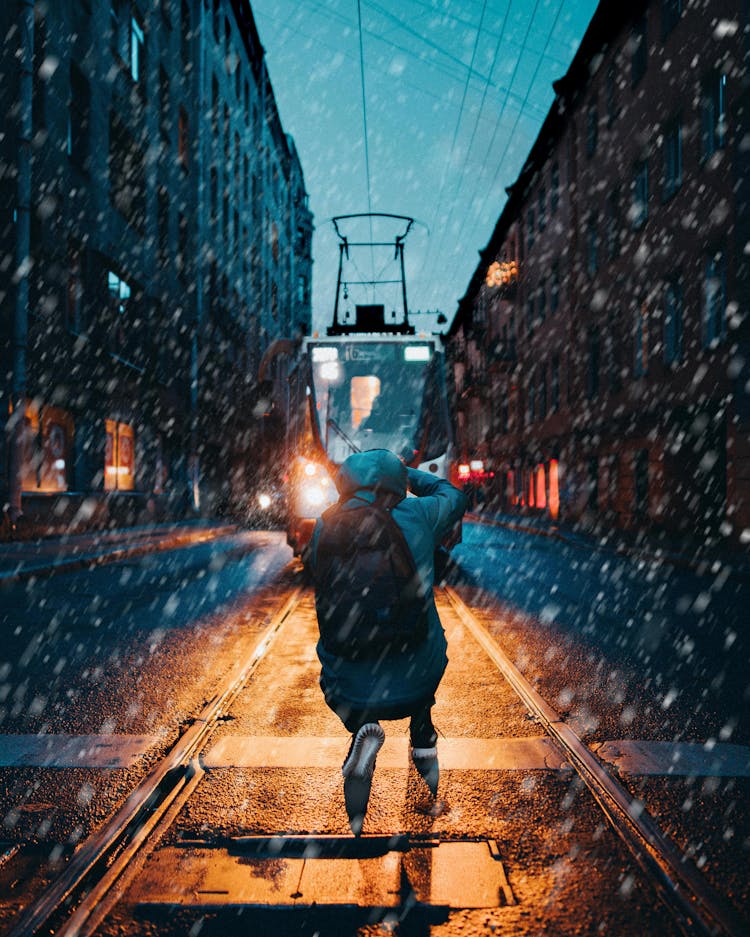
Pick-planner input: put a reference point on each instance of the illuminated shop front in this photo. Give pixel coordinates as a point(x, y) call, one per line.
point(47, 447)
point(119, 457)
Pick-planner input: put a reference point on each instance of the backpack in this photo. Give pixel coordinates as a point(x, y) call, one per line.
point(369, 599)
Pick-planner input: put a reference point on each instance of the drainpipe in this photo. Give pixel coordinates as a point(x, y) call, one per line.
point(15, 426)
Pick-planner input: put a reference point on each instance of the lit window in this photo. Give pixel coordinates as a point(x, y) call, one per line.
point(137, 50)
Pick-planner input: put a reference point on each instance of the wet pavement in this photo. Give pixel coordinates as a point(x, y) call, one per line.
point(104, 667)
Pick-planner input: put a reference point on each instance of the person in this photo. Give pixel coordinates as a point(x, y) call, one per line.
point(403, 683)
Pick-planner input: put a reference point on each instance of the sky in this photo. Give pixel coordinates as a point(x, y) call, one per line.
point(455, 92)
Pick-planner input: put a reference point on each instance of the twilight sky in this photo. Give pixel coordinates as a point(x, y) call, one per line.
point(455, 92)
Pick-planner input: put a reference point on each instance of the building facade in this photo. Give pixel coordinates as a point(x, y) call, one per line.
point(157, 266)
point(601, 348)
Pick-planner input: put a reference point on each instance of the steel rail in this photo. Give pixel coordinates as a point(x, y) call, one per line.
point(697, 908)
point(152, 796)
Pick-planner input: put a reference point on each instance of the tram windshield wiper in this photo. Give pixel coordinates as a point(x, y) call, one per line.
point(334, 425)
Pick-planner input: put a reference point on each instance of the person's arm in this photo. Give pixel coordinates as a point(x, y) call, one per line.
point(444, 504)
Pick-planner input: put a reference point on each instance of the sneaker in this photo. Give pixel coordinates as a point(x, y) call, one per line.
point(426, 762)
point(358, 769)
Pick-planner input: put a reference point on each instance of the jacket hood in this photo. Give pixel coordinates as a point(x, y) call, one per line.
point(377, 470)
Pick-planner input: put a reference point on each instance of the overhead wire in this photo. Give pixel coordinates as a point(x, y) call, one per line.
point(518, 117)
point(476, 123)
point(364, 123)
point(497, 124)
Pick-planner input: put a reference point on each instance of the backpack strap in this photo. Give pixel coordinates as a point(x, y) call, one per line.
point(385, 515)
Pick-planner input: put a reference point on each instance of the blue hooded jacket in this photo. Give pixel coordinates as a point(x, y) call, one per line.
point(425, 520)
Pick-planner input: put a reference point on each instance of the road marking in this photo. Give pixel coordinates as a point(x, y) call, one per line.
point(675, 759)
point(73, 751)
point(540, 753)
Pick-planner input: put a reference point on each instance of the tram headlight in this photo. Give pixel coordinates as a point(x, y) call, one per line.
point(313, 495)
point(264, 502)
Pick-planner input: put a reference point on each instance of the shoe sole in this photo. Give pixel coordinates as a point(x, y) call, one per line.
point(358, 781)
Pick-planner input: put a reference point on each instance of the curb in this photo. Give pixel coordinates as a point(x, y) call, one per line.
point(91, 560)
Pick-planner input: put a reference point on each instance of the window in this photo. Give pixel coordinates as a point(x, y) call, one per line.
point(166, 12)
point(162, 225)
point(127, 173)
point(714, 298)
point(555, 384)
point(164, 105)
point(592, 246)
point(247, 177)
point(74, 291)
point(554, 289)
point(79, 116)
point(672, 152)
point(592, 369)
point(530, 315)
point(640, 340)
point(713, 114)
point(125, 327)
point(640, 471)
point(226, 132)
point(530, 228)
point(531, 396)
point(236, 225)
point(42, 71)
point(182, 246)
point(611, 96)
point(638, 50)
point(213, 194)
point(639, 208)
point(247, 102)
point(137, 51)
point(542, 301)
point(614, 353)
point(554, 187)
point(217, 19)
point(671, 11)
point(119, 11)
point(542, 394)
point(119, 456)
point(301, 289)
point(613, 224)
point(183, 142)
point(185, 34)
point(592, 129)
point(542, 208)
point(214, 106)
point(237, 164)
point(673, 321)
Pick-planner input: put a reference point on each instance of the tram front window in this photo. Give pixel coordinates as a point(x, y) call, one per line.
point(373, 395)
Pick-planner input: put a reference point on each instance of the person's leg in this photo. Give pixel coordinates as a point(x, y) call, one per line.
point(421, 730)
point(359, 764)
point(424, 745)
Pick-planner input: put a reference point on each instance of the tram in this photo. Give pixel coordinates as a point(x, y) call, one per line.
point(372, 382)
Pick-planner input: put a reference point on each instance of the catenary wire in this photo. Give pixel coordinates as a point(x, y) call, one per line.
point(518, 116)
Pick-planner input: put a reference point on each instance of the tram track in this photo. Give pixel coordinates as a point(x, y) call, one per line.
point(696, 907)
point(99, 873)
point(104, 856)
